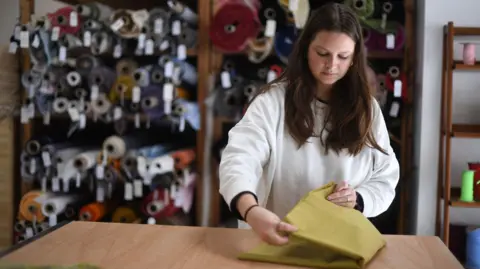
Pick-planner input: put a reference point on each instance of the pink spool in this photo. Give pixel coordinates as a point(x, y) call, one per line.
point(469, 53)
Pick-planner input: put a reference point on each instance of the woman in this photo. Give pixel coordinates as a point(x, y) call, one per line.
point(316, 123)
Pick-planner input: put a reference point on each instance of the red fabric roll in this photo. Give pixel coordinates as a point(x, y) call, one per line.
point(61, 18)
point(234, 23)
point(163, 210)
point(389, 84)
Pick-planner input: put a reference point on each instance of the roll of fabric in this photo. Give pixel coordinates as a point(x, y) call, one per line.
point(128, 23)
point(62, 19)
point(187, 72)
point(85, 160)
point(183, 158)
point(126, 67)
point(272, 11)
point(30, 208)
point(85, 63)
point(363, 8)
point(152, 101)
point(142, 76)
point(41, 49)
point(94, 10)
point(102, 77)
point(117, 146)
point(124, 214)
point(396, 82)
point(234, 23)
point(284, 42)
point(92, 212)
point(101, 105)
point(188, 37)
point(158, 204)
point(398, 39)
point(102, 43)
point(57, 204)
point(183, 11)
point(159, 23)
point(156, 75)
point(190, 112)
point(122, 89)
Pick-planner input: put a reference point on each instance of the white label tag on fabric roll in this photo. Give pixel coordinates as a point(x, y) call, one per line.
point(137, 120)
point(138, 188)
point(87, 39)
point(128, 195)
point(158, 26)
point(164, 45)
point(117, 113)
point(62, 54)
point(117, 51)
point(66, 186)
point(36, 41)
point(225, 80)
point(397, 88)
point(46, 118)
point(394, 109)
point(271, 75)
point(31, 110)
point(55, 33)
point(117, 25)
point(55, 184)
point(47, 161)
point(94, 90)
point(383, 21)
point(24, 39)
point(44, 184)
point(168, 72)
point(73, 19)
point(100, 195)
point(176, 28)
point(136, 94)
point(141, 41)
point(270, 28)
point(151, 221)
point(390, 43)
point(149, 47)
point(82, 121)
point(168, 90)
point(99, 171)
point(182, 52)
point(33, 166)
point(293, 5)
point(24, 115)
point(28, 232)
point(16, 31)
point(52, 220)
point(73, 113)
point(13, 47)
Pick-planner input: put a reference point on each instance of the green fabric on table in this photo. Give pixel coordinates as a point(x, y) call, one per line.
point(328, 236)
point(19, 266)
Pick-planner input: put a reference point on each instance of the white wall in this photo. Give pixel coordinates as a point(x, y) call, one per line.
point(10, 10)
point(466, 108)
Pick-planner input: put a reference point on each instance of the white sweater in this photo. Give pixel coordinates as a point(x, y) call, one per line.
point(263, 158)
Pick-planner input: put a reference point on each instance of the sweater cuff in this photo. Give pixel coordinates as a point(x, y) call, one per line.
point(359, 203)
point(233, 204)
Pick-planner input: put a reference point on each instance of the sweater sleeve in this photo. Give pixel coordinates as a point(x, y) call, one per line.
point(248, 148)
point(378, 191)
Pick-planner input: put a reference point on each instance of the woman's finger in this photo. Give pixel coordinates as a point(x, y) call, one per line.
point(339, 195)
point(341, 186)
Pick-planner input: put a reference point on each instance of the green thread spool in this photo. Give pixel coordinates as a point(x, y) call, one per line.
point(467, 186)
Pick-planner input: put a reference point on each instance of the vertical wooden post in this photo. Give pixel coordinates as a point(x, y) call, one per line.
point(203, 60)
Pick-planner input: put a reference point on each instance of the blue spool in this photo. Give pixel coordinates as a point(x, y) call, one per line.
point(473, 249)
point(284, 41)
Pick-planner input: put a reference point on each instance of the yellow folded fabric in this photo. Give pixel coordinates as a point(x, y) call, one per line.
point(328, 236)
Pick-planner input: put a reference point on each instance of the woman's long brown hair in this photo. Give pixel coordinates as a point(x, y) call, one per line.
point(350, 113)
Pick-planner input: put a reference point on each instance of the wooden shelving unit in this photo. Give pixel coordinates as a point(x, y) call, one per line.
point(201, 52)
point(450, 130)
point(403, 139)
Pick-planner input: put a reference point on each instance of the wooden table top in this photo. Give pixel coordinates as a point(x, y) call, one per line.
point(136, 246)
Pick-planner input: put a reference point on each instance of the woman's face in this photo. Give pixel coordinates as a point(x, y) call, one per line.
point(330, 55)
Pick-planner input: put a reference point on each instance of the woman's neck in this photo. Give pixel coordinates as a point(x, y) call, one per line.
point(323, 91)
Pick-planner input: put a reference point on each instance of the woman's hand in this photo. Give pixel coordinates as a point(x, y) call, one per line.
point(268, 226)
point(343, 195)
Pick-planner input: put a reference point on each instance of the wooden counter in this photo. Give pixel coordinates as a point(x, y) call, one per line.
point(135, 246)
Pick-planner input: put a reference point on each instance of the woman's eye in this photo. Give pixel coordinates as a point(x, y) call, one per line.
point(322, 54)
point(342, 57)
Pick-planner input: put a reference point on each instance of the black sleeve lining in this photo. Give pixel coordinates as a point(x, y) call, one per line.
point(359, 203)
point(233, 204)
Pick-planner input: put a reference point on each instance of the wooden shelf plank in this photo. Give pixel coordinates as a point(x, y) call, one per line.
point(466, 130)
point(466, 31)
point(458, 203)
point(459, 65)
